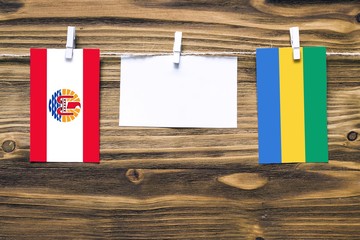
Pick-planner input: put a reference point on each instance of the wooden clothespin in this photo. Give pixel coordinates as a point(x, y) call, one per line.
point(70, 42)
point(295, 42)
point(177, 47)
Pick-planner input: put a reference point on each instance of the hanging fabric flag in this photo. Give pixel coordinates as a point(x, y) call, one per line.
point(292, 120)
point(64, 106)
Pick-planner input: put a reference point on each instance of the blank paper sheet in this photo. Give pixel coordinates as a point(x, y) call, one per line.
point(200, 92)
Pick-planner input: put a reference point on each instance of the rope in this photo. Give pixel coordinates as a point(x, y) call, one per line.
point(127, 54)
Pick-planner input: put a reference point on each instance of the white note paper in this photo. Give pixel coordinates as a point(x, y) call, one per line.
point(200, 92)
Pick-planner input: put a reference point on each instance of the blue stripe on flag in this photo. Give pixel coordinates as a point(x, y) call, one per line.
point(268, 96)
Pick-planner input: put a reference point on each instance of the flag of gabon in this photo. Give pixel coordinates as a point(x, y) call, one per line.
point(291, 94)
point(64, 106)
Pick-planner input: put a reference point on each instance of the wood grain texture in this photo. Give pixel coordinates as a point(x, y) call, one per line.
point(165, 183)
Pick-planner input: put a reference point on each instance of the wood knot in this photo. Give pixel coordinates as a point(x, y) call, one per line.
point(352, 136)
point(8, 146)
point(135, 176)
point(259, 238)
point(245, 181)
point(358, 18)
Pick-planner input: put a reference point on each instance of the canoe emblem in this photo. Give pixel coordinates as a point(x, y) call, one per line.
point(64, 105)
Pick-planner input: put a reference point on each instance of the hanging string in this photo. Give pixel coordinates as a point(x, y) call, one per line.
point(148, 54)
point(182, 53)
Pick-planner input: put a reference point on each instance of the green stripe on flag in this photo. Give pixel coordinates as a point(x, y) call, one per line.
point(316, 141)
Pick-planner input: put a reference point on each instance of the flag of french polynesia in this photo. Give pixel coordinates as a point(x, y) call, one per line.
point(64, 106)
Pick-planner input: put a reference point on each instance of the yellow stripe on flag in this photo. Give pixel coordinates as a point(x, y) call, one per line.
point(291, 107)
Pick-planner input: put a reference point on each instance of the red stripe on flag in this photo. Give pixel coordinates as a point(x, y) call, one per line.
point(91, 138)
point(38, 109)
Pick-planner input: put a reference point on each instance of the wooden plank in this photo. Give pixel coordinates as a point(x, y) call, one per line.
point(83, 201)
point(179, 183)
point(149, 25)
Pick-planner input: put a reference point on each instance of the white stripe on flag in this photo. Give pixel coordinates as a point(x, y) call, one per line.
point(64, 139)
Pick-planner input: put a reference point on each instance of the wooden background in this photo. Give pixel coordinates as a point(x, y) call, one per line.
point(180, 183)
